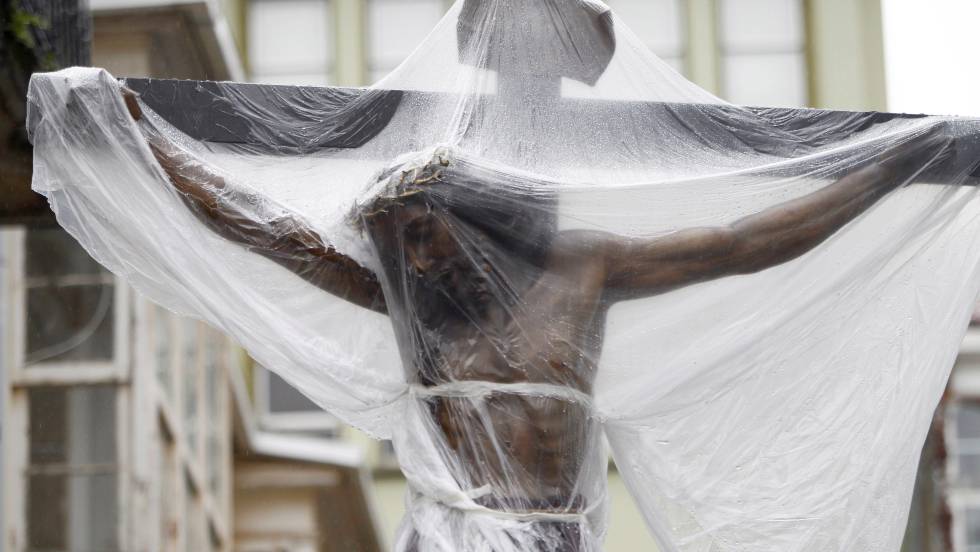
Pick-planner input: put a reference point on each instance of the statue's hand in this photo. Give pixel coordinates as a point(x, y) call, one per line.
point(130, 97)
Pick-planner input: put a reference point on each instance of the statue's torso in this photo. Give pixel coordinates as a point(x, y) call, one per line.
point(524, 445)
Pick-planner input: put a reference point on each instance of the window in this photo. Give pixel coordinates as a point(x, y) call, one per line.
point(195, 478)
point(72, 466)
point(83, 413)
point(281, 407)
point(290, 42)
point(70, 300)
point(762, 52)
point(395, 28)
point(658, 23)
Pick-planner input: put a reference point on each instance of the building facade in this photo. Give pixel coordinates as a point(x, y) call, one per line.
point(825, 53)
point(125, 427)
point(92, 451)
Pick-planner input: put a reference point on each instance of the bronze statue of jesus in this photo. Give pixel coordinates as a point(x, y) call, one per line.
point(484, 290)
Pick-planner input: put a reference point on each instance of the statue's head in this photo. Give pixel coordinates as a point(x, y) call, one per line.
point(537, 39)
point(445, 235)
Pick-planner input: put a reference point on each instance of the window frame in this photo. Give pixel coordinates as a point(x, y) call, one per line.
point(190, 467)
point(116, 468)
point(58, 372)
point(18, 466)
point(71, 374)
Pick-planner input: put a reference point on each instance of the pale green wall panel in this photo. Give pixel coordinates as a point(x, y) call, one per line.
point(702, 45)
point(350, 68)
point(846, 54)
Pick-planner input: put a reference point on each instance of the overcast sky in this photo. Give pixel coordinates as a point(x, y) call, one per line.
point(931, 56)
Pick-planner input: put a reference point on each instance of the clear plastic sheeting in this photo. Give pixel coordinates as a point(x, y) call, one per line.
point(546, 237)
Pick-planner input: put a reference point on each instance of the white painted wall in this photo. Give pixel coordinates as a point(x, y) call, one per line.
point(931, 56)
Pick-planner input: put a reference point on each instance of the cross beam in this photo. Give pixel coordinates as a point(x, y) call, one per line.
point(350, 117)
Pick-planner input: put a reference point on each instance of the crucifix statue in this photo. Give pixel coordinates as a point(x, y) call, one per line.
point(500, 314)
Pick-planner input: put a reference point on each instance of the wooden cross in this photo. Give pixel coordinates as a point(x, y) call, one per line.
point(222, 113)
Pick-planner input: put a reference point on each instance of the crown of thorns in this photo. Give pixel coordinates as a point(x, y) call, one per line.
point(403, 183)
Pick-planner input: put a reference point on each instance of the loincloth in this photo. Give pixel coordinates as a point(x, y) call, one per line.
point(567, 532)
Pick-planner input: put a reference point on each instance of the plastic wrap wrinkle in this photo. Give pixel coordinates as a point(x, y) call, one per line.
point(534, 234)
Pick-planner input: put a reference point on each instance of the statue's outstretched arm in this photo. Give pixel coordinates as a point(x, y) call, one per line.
point(261, 225)
point(638, 268)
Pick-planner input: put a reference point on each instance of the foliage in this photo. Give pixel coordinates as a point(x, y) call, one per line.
point(19, 33)
point(20, 25)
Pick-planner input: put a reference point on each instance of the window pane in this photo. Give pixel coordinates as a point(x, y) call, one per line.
point(53, 252)
point(969, 470)
point(395, 28)
point(972, 526)
point(968, 420)
point(190, 372)
point(72, 426)
point(285, 398)
point(658, 23)
point(750, 25)
point(762, 43)
point(289, 38)
point(765, 80)
point(72, 512)
point(67, 323)
point(966, 417)
point(47, 515)
point(168, 494)
point(72, 454)
point(163, 349)
point(215, 401)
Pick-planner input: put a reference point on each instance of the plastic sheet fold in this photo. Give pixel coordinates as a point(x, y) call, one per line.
point(544, 239)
